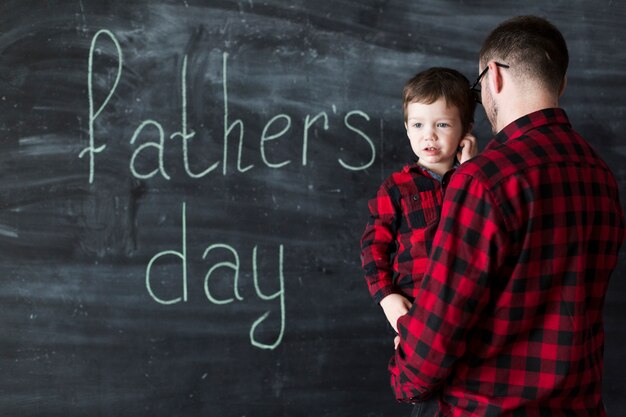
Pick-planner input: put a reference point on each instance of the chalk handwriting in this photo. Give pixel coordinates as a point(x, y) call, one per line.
point(148, 160)
point(92, 149)
point(235, 127)
point(184, 134)
point(231, 264)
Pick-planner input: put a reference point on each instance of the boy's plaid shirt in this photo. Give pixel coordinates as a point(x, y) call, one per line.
point(400, 231)
point(508, 320)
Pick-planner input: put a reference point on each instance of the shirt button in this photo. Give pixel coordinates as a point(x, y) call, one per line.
point(415, 197)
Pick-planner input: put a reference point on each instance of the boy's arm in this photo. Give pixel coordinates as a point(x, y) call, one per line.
point(378, 244)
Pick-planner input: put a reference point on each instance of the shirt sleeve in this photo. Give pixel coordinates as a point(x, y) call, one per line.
point(468, 249)
point(378, 244)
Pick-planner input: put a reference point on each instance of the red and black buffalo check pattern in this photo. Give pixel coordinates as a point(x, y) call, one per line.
point(399, 233)
point(508, 319)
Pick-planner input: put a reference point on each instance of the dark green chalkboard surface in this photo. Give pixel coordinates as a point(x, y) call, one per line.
point(183, 186)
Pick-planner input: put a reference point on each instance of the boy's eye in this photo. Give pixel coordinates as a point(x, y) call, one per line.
point(418, 125)
point(443, 124)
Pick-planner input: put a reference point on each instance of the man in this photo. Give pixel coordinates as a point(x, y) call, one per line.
point(509, 318)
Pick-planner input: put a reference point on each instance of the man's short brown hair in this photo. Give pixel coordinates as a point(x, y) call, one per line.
point(432, 84)
point(533, 48)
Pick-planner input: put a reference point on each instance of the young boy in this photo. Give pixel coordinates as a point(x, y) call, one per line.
point(438, 117)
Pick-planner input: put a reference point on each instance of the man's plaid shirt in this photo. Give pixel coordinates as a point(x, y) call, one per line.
point(508, 320)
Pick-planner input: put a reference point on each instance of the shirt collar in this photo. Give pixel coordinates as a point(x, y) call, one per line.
point(532, 121)
point(416, 166)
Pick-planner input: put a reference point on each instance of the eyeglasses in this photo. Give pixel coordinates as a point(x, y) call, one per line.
point(475, 87)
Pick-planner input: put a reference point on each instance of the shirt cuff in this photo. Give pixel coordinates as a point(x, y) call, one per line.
point(383, 292)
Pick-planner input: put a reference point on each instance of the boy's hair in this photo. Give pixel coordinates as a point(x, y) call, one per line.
point(432, 84)
point(533, 48)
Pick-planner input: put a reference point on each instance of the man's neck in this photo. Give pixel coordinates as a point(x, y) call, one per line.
point(523, 105)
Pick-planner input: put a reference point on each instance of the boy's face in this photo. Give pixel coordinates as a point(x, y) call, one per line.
point(435, 131)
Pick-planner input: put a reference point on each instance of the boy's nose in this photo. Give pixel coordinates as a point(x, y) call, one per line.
point(430, 134)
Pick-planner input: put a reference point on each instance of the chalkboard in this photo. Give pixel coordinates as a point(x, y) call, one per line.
point(184, 186)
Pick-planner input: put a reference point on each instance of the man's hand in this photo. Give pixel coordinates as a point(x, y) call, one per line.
point(468, 148)
point(395, 306)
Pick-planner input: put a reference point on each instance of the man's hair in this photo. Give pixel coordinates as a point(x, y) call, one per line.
point(432, 84)
point(533, 48)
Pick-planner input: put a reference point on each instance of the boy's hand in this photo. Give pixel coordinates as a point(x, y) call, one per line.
point(468, 148)
point(395, 306)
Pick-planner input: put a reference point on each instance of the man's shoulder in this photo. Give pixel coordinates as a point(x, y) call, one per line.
point(502, 159)
point(487, 167)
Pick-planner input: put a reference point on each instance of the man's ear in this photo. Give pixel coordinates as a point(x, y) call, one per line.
point(495, 80)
